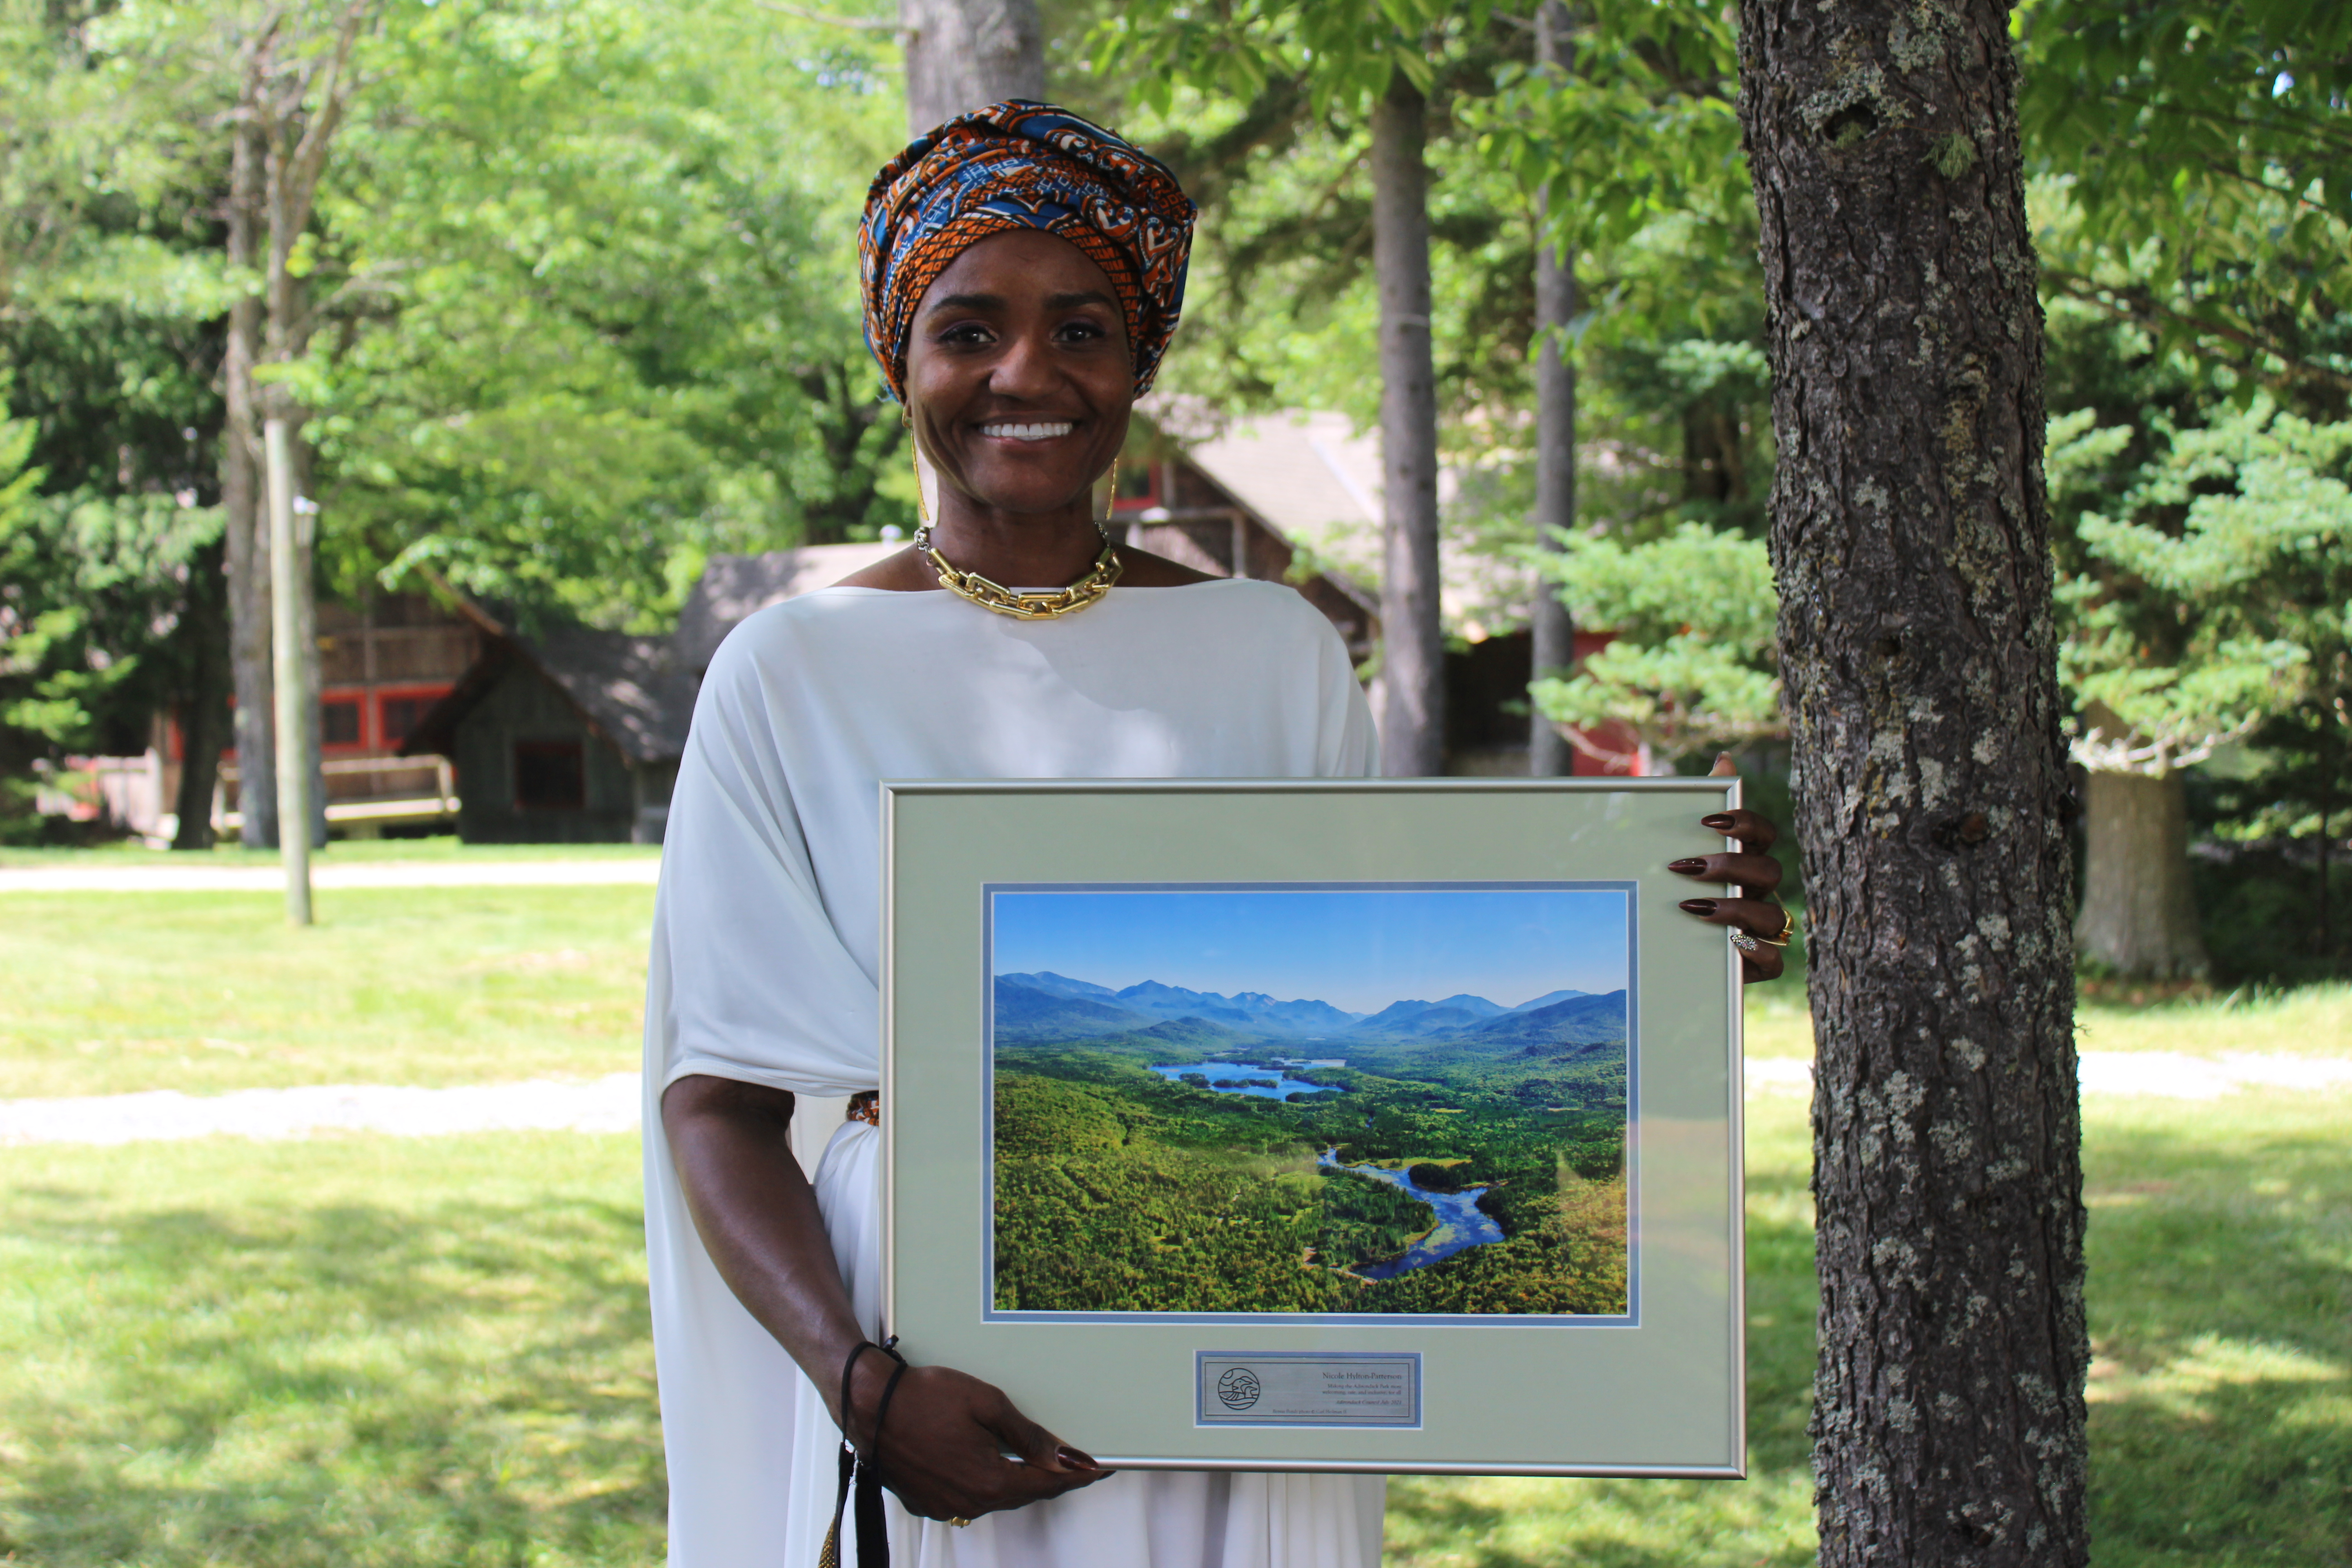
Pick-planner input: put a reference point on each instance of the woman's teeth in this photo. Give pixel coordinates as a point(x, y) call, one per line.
point(1027, 432)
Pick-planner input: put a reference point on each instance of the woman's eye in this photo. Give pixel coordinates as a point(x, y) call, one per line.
point(968, 332)
point(1083, 332)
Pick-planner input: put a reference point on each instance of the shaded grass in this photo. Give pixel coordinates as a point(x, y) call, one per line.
point(111, 993)
point(351, 1352)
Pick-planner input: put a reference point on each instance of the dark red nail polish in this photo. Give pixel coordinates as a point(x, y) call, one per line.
point(1720, 821)
point(1688, 867)
point(1699, 906)
point(1070, 1456)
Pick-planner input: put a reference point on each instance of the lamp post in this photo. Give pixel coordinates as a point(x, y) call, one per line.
point(288, 690)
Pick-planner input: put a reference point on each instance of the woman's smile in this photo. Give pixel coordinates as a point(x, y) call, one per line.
point(1049, 430)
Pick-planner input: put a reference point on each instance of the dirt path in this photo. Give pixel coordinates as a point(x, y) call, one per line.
point(609, 1104)
point(642, 872)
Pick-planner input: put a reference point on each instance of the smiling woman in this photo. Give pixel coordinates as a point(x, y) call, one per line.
point(1023, 272)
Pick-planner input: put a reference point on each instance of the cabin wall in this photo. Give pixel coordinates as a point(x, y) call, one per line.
point(515, 755)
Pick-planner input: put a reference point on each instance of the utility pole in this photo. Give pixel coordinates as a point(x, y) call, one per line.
point(288, 690)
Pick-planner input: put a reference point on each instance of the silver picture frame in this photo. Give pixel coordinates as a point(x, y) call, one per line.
point(1655, 1389)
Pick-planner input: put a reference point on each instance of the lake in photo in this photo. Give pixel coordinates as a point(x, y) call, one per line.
point(1332, 1099)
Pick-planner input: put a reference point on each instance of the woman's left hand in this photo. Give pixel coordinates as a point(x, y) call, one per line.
point(1754, 915)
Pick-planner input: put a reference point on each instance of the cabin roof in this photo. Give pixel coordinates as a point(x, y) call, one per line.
point(630, 690)
point(733, 588)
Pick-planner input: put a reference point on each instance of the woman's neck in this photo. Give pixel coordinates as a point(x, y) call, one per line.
point(1018, 550)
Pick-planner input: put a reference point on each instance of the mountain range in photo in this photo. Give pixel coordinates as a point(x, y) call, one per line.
point(1040, 1006)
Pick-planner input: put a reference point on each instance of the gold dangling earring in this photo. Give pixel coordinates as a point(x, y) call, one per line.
point(914, 458)
point(1111, 503)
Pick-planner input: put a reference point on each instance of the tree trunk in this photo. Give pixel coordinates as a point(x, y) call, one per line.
point(2139, 918)
point(1412, 666)
point(963, 55)
point(203, 706)
point(1910, 538)
point(245, 542)
point(1552, 629)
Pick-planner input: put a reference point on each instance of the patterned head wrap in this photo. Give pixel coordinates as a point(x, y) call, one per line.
point(1019, 164)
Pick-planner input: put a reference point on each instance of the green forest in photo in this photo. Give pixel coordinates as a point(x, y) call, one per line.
point(1120, 1188)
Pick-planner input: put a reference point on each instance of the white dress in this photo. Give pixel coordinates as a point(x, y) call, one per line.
point(766, 933)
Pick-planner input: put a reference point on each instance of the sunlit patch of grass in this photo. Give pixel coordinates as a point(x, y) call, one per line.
point(348, 1352)
point(111, 993)
point(2309, 1021)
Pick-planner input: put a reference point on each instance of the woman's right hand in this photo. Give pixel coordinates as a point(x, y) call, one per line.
point(946, 1439)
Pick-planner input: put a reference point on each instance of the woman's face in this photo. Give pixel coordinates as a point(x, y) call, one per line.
point(1018, 375)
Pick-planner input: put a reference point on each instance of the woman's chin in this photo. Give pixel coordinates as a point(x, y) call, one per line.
point(1031, 498)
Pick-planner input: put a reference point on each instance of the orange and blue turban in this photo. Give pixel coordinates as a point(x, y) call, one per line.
point(1019, 164)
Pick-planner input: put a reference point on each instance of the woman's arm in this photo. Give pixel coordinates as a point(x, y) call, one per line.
point(943, 1447)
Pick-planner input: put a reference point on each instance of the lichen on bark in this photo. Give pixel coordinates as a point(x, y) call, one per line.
point(1910, 539)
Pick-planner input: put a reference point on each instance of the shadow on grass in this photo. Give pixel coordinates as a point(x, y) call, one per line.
point(351, 1383)
point(2220, 1297)
point(1763, 1523)
point(2220, 1250)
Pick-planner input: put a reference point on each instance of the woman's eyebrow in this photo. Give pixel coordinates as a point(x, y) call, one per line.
point(1085, 297)
point(967, 302)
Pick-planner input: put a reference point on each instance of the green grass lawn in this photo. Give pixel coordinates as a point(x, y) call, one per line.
point(109, 993)
point(365, 1350)
point(376, 1350)
point(383, 1351)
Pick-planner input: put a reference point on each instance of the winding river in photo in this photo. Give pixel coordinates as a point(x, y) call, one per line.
point(1460, 1223)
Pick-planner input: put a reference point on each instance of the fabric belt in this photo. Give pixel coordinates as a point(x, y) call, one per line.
point(866, 1107)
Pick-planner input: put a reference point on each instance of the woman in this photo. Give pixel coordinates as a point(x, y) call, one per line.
point(1024, 272)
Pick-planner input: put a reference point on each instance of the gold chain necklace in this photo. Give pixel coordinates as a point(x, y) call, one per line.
point(1088, 590)
point(989, 595)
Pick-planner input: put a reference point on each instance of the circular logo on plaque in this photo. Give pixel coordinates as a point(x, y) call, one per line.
point(1238, 1388)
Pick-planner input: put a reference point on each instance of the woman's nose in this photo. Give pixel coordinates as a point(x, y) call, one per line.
point(1024, 369)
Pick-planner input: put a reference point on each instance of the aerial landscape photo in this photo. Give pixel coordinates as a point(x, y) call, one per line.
point(1329, 1099)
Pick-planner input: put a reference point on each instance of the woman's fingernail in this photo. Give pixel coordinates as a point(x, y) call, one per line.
point(1720, 821)
point(1688, 867)
point(1699, 906)
point(1070, 1456)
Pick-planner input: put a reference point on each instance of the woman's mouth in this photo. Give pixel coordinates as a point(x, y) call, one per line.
point(1047, 430)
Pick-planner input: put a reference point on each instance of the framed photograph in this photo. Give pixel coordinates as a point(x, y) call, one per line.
point(1319, 1124)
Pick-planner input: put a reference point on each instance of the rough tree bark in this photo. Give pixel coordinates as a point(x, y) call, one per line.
point(1552, 628)
point(245, 542)
point(962, 55)
point(1413, 664)
point(1910, 539)
point(2139, 917)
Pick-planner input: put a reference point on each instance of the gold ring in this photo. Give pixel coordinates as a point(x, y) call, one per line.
point(958, 1523)
point(1788, 929)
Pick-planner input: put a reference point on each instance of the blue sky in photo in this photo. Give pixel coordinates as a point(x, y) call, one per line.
point(1356, 949)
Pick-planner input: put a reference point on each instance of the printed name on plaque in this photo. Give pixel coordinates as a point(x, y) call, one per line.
point(1306, 1388)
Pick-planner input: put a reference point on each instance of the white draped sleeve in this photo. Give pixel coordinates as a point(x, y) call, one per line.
point(762, 970)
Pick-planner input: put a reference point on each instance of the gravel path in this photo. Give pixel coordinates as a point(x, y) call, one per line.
point(379, 874)
point(610, 1104)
